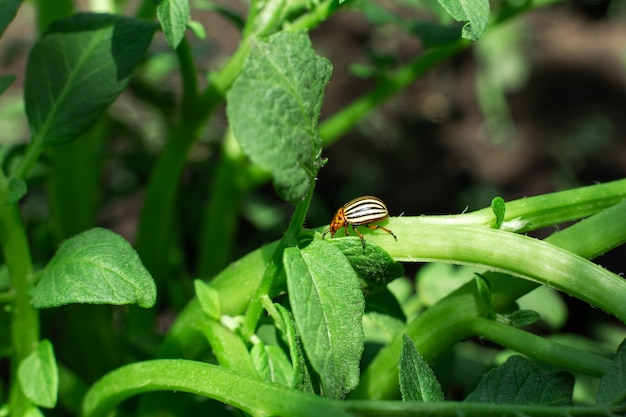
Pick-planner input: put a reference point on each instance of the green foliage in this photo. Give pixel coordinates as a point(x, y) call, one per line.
point(39, 376)
point(499, 209)
point(96, 267)
point(485, 294)
point(331, 332)
point(174, 15)
point(417, 379)
point(77, 69)
point(273, 109)
point(474, 12)
point(373, 265)
point(272, 364)
point(299, 326)
point(208, 298)
point(612, 384)
point(518, 381)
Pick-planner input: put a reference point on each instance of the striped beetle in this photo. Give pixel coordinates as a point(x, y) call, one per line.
point(362, 211)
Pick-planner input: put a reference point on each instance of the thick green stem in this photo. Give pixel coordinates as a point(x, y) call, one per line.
point(437, 329)
point(155, 227)
point(537, 347)
point(261, 398)
point(220, 219)
point(252, 395)
point(24, 317)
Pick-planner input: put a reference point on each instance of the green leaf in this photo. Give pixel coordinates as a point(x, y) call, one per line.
point(197, 28)
point(475, 12)
point(174, 16)
point(484, 293)
point(380, 328)
point(8, 10)
point(499, 209)
point(521, 318)
point(384, 302)
point(273, 108)
point(78, 69)
point(373, 265)
point(272, 364)
point(417, 380)
point(39, 376)
point(228, 347)
point(6, 81)
point(612, 388)
point(301, 377)
point(96, 267)
point(519, 381)
point(209, 299)
point(328, 307)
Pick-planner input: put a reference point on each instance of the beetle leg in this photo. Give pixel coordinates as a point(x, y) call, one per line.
point(375, 226)
point(360, 236)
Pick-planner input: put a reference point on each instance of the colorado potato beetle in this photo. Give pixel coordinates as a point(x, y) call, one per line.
point(362, 211)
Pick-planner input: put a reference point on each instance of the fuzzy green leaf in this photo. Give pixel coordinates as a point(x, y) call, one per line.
point(272, 364)
point(228, 347)
point(209, 299)
point(328, 307)
point(417, 379)
point(612, 388)
point(373, 265)
point(485, 294)
point(519, 381)
point(39, 376)
point(96, 267)
point(174, 16)
point(521, 318)
point(273, 108)
point(301, 377)
point(474, 12)
point(77, 69)
point(499, 209)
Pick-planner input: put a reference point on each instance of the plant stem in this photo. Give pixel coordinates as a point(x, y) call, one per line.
point(24, 317)
point(252, 395)
point(237, 284)
point(219, 223)
point(275, 267)
point(437, 329)
point(537, 347)
point(321, 12)
point(257, 397)
point(155, 226)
